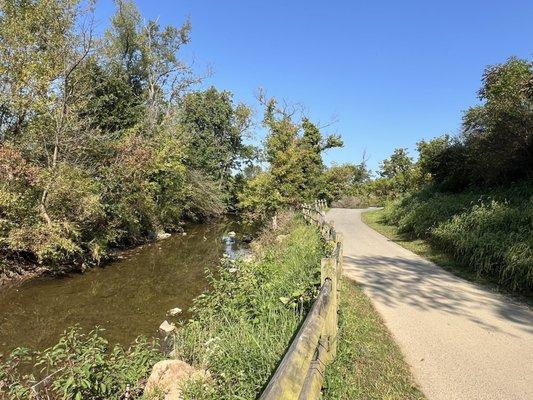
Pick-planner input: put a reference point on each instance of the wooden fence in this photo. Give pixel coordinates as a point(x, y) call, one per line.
point(301, 372)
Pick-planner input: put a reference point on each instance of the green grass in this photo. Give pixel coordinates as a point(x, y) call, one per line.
point(376, 220)
point(243, 326)
point(486, 230)
point(369, 364)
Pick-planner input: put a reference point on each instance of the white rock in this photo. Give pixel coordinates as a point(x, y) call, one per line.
point(232, 270)
point(174, 311)
point(162, 235)
point(232, 234)
point(166, 327)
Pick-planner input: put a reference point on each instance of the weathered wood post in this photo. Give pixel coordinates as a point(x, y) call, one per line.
point(339, 255)
point(328, 271)
point(295, 369)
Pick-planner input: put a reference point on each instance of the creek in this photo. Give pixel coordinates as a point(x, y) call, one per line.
point(128, 297)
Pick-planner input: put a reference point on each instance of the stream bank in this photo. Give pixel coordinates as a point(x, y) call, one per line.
point(128, 297)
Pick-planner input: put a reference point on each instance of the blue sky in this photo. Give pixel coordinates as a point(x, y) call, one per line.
point(389, 72)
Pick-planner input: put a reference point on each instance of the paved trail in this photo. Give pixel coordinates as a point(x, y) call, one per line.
point(461, 341)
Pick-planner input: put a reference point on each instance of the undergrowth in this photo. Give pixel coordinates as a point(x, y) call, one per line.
point(490, 232)
point(243, 326)
point(80, 366)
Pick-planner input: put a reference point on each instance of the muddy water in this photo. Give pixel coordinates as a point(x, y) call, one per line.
point(127, 298)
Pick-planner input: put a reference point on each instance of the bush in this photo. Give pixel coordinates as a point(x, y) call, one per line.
point(491, 231)
point(80, 366)
point(243, 326)
point(494, 237)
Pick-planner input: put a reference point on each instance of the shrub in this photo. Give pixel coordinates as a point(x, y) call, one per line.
point(489, 231)
point(494, 237)
point(80, 366)
point(242, 327)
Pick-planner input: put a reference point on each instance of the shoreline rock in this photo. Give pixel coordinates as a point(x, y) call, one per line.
point(174, 311)
point(169, 376)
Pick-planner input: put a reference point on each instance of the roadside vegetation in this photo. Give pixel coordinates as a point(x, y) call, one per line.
point(422, 247)
point(369, 364)
point(468, 199)
point(487, 231)
point(243, 326)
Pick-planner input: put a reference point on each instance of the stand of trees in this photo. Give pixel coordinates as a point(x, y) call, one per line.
point(103, 140)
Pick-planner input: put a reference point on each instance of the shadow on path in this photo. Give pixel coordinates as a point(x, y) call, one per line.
point(421, 284)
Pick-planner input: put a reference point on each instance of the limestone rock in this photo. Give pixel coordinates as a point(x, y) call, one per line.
point(162, 235)
point(166, 327)
point(168, 376)
point(174, 311)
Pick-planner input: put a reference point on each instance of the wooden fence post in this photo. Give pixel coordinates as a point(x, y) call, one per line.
point(339, 256)
point(328, 271)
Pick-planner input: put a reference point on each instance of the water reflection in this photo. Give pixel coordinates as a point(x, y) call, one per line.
point(128, 297)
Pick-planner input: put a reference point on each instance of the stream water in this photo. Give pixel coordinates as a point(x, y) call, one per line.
point(128, 297)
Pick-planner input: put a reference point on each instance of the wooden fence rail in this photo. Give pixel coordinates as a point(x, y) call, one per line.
point(300, 374)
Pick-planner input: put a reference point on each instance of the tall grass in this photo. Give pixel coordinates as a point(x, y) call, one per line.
point(243, 326)
point(240, 330)
point(490, 232)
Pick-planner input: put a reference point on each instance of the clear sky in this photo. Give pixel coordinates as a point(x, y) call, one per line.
point(390, 72)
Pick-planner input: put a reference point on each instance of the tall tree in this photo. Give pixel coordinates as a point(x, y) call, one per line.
point(294, 155)
point(499, 133)
point(42, 46)
point(398, 163)
point(215, 127)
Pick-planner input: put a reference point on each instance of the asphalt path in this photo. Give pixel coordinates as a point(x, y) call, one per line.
point(461, 340)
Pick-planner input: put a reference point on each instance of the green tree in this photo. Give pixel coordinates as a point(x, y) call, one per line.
point(216, 128)
point(498, 135)
point(92, 152)
point(339, 180)
point(294, 156)
point(398, 163)
point(496, 142)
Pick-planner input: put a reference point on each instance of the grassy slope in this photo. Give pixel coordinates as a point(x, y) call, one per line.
point(369, 364)
point(488, 231)
point(242, 328)
point(375, 220)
